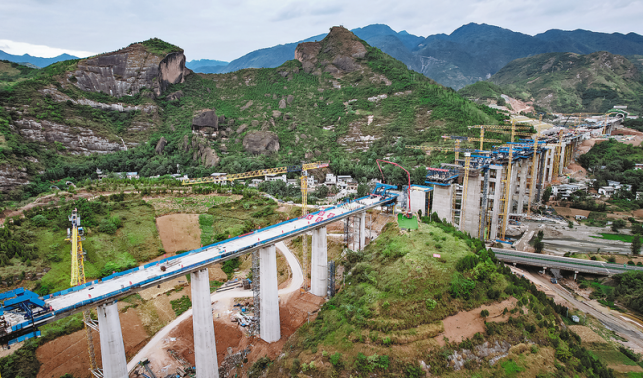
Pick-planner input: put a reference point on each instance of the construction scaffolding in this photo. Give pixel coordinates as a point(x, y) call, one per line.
point(256, 290)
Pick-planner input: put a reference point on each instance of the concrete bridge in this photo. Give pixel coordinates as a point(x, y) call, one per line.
point(563, 263)
point(104, 293)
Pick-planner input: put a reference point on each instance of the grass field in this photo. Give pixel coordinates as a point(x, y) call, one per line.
point(621, 237)
point(134, 242)
point(194, 204)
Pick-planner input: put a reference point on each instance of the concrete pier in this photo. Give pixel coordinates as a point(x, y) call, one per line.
point(362, 230)
point(319, 265)
point(112, 349)
point(205, 350)
point(471, 221)
point(443, 201)
point(269, 323)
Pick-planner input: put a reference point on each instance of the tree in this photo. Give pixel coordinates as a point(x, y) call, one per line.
point(547, 194)
point(539, 246)
point(636, 245)
point(484, 313)
point(618, 224)
point(362, 190)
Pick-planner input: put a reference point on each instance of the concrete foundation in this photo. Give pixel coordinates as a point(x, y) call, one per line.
point(319, 265)
point(112, 349)
point(205, 349)
point(269, 323)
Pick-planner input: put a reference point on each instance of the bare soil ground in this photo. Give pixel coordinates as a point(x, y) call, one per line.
point(179, 232)
point(568, 211)
point(69, 354)
point(466, 324)
point(636, 141)
point(294, 311)
point(587, 335)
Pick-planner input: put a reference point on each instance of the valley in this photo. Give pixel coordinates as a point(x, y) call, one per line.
point(326, 208)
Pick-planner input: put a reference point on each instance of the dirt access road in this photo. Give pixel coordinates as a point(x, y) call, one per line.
point(560, 239)
point(155, 345)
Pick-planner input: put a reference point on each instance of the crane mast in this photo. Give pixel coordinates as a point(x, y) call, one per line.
point(75, 235)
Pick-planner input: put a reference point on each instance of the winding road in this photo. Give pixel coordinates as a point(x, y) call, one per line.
point(296, 282)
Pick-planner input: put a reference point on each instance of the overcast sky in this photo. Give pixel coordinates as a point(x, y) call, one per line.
point(228, 29)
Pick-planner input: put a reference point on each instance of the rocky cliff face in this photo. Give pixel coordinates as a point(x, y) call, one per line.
point(12, 177)
point(337, 53)
point(77, 140)
point(127, 71)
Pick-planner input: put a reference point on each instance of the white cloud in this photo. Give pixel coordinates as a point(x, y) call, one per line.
point(228, 29)
point(21, 48)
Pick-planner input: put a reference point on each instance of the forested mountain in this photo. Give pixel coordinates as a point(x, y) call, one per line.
point(471, 53)
point(206, 65)
point(36, 61)
point(340, 100)
point(567, 82)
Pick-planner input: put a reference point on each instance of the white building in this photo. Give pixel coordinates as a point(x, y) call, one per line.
point(331, 179)
point(255, 183)
point(277, 178)
point(606, 191)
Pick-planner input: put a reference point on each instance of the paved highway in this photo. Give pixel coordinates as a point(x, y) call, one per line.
point(565, 263)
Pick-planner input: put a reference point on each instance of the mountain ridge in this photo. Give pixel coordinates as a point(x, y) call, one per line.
point(37, 61)
point(470, 53)
point(566, 82)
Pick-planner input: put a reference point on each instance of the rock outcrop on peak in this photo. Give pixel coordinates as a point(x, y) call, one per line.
point(127, 71)
point(337, 53)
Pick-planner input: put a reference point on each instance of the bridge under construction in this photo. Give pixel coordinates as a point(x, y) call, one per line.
point(23, 312)
point(486, 191)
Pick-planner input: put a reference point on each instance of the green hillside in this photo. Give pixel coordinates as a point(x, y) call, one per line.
point(325, 116)
point(389, 318)
point(567, 82)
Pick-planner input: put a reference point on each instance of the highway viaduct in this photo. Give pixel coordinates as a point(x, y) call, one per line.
point(563, 263)
point(103, 294)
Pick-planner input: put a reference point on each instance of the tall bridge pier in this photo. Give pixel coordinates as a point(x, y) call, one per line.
point(112, 349)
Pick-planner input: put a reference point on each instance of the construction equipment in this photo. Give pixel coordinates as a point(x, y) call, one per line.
point(261, 172)
point(465, 181)
point(533, 170)
point(496, 129)
point(507, 199)
point(271, 172)
point(75, 236)
point(470, 139)
point(408, 213)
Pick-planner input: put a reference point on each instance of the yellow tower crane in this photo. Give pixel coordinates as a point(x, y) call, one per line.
point(465, 180)
point(75, 237)
point(304, 168)
point(503, 130)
